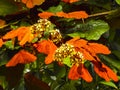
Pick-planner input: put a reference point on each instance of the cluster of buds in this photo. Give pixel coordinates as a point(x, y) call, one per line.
point(55, 36)
point(66, 50)
point(40, 27)
point(44, 26)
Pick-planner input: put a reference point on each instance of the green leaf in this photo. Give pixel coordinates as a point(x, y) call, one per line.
point(118, 1)
point(68, 86)
point(67, 62)
point(9, 44)
point(111, 61)
point(3, 58)
point(116, 53)
point(97, 28)
point(3, 82)
point(7, 7)
point(59, 71)
point(111, 84)
point(55, 9)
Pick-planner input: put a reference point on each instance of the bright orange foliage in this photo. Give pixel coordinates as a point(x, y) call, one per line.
point(47, 47)
point(62, 14)
point(76, 14)
point(22, 57)
point(2, 22)
point(45, 15)
point(89, 50)
point(99, 48)
point(23, 33)
point(32, 3)
point(104, 72)
point(1, 42)
point(70, 1)
point(80, 71)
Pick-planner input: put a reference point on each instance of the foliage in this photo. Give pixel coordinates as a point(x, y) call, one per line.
point(59, 44)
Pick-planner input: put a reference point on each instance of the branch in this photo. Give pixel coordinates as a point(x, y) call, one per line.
point(103, 13)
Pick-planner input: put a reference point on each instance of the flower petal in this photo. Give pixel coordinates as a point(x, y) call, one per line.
point(62, 14)
point(110, 73)
point(77, 42)
point(73, 73)
point(11, 34)
point(78, 14)
point(22, 57)
point(86, 54)
point(22, 32)
point(99, 48)
point(32, 3)
point(84, 74)
point(104, 72)
point(70, 1)
point(46, 47)
point(27, 37)
point(49, 59)
point(45, 15)
point(1, 42)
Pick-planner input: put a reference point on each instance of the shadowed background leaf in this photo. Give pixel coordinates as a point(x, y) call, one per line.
point(7, 7)
point(33, 83)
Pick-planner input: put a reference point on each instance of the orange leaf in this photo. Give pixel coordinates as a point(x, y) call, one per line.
point(22, 57)
point(76, 42)
point(86, 54)
point(2, 23)
point(46, 47)
point(110, 73)
point(62, 14)
point(84, 74)
point(11, 34)
point(73, 73)
point(70, 1)
point(45, 15)
point(101, 71)
point(23, 33)
point(1, 42)
point(32, 3)
point(27, 37)
point(49, 59)
point(99, 48)
point(104, 72)
point(78, 14)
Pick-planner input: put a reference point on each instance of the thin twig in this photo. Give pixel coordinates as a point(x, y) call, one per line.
point(103, 13)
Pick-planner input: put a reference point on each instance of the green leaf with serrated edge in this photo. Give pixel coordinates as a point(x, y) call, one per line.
point(7, 7)
point(111, 84)
point(97, 28)
point(118, 1)
point(67, 62)
point(55, 9)
point(111, 61)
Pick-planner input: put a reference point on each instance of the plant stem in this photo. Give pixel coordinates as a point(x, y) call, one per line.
point(103, 13)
